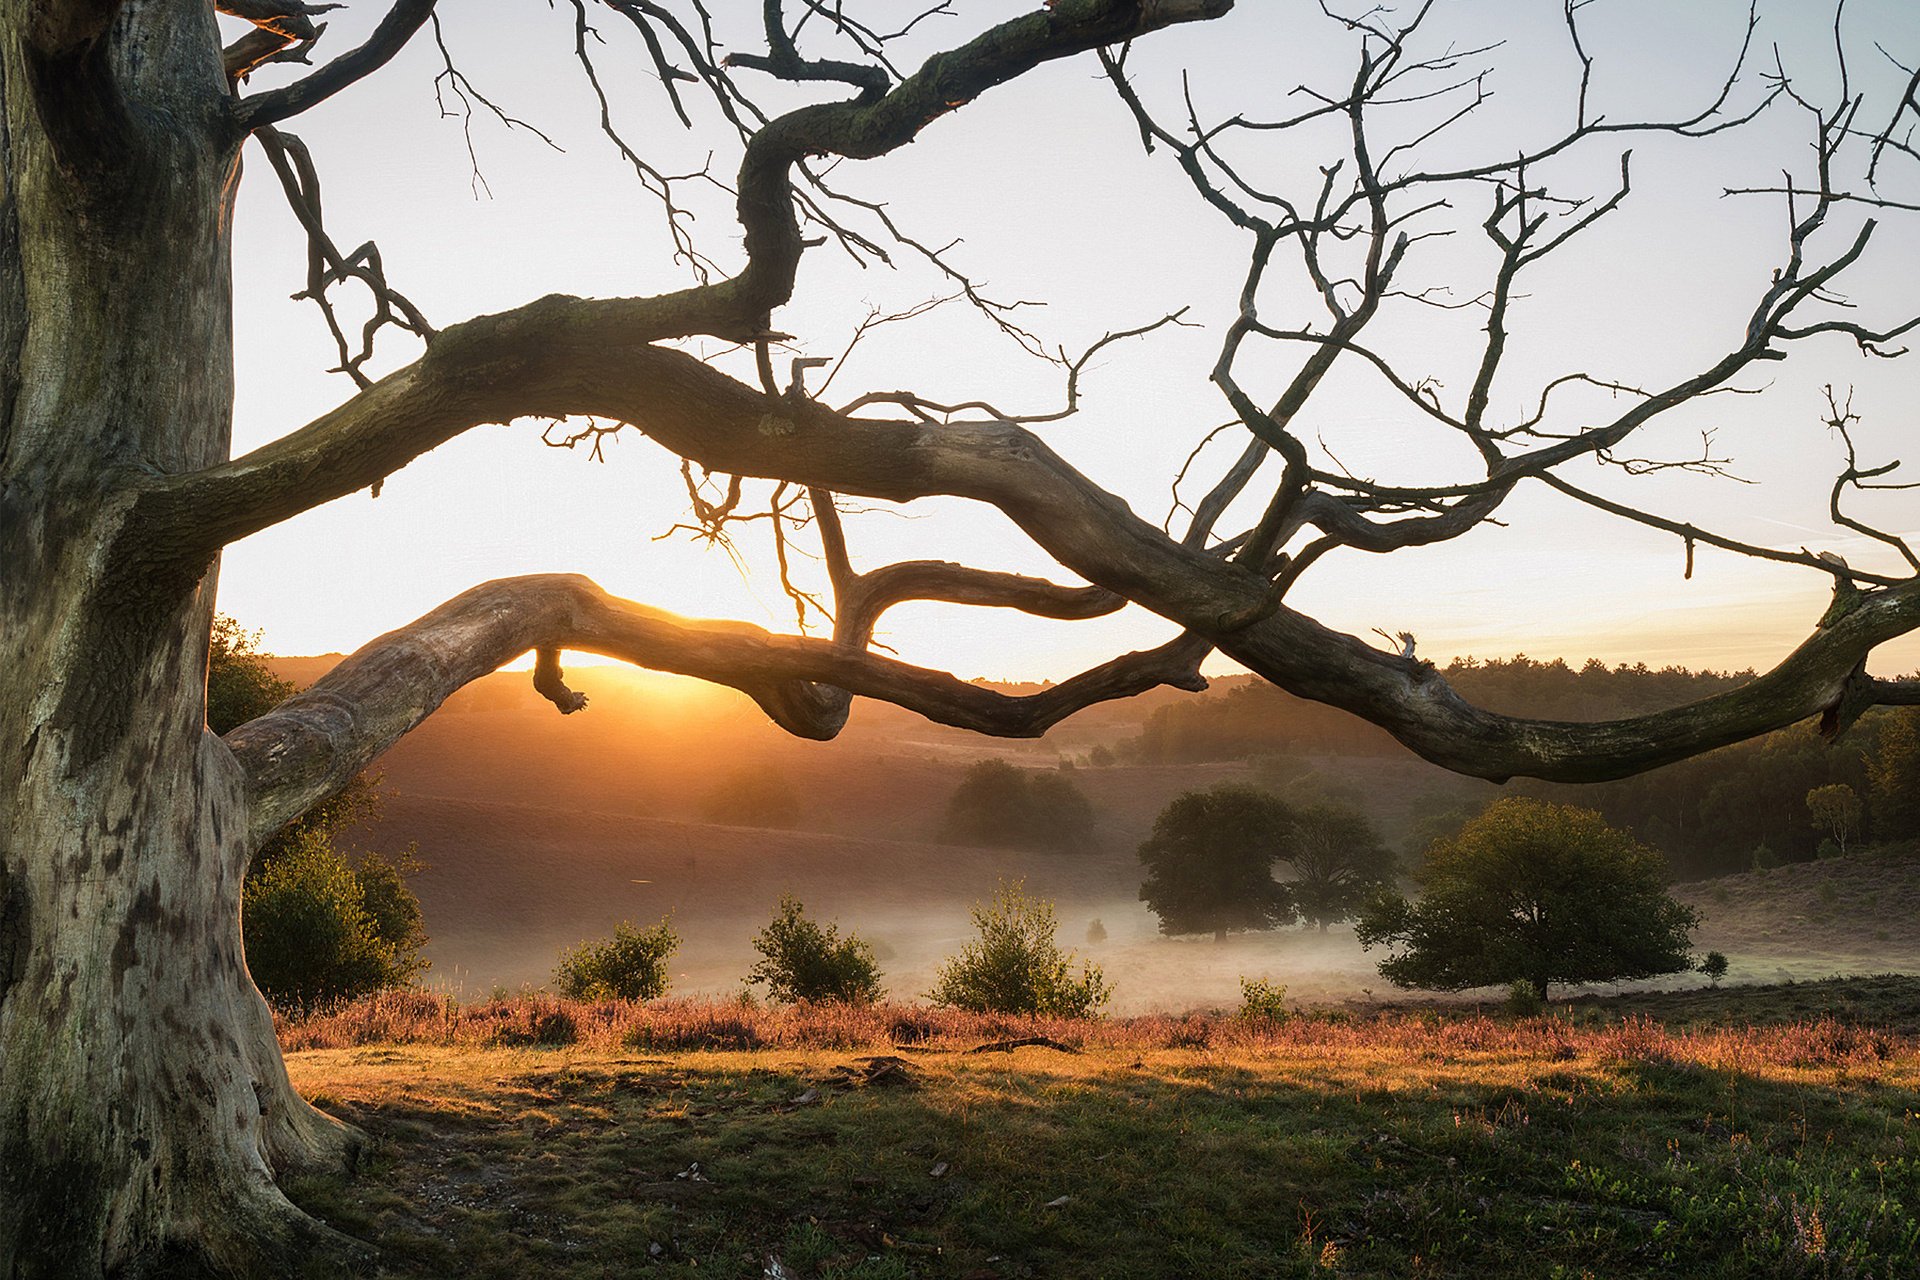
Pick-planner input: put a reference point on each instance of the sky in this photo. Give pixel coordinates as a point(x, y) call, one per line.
point(1046, 189)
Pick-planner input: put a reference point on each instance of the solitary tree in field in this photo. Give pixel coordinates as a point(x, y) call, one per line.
point(145, 1113)
point(1209, 863)
point(1532, 891)
point(1836, 810)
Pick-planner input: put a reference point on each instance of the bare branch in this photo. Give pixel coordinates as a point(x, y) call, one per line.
point(275, 105)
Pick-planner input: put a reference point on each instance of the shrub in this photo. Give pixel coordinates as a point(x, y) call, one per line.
point(1262, 1001)
point(1096, 932)
point(318, 930)
point(1714, 967)
point(631, 965)
point(1524, 999)
point(999, 805)
point(1017, 966)
point(800, 960)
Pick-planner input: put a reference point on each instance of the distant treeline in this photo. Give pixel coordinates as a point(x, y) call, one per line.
point(1741, 807)
point(1255, 718)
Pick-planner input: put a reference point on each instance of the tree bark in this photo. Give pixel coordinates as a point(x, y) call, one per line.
point(144, 1106)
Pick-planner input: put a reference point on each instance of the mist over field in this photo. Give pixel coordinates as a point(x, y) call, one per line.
point(541, 832)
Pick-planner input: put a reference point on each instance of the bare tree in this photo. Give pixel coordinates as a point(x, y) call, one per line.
point(145, 1111)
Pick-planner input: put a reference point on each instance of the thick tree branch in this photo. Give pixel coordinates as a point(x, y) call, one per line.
point(873, 593)
point(312, 744)
point(274, 105)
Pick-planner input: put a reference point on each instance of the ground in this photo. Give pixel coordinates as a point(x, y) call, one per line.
point(1761, 1132)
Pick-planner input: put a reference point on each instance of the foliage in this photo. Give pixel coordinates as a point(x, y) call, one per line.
point(1002, 806)
point(630, 965)
point(1836, 812)
point(1524, 1000)
point(1714, 967)
point(318, 926)
point(1339, 863)
point(1262, 1001)
point(1209, 863)
point(756, 796)
point(1096, 932)
point(240, 684)
point(800, 960)
point(1533, 890)
point(319, 929)
point(1016, 964)
point(1893, 774)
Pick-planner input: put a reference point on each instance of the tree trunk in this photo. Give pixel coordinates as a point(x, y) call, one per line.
point(144, 1107)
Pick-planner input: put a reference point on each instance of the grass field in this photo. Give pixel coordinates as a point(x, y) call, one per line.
point(1752, 1132)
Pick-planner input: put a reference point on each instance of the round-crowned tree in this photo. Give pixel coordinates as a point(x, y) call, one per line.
point(1210, 860)
point(1338, 860)
point(1532, 891)
point(1007, 807)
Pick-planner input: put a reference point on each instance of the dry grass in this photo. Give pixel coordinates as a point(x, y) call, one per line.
point(672, 1025)
point(583, 1141)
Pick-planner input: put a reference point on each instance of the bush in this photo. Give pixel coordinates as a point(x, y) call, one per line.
point(1017, 965)
point(1096, 932)
point(631, 965)
point(803, 961)
point(1714, 967)
point(999, 805)
point(318, 930)
point(1262, 1001)
point(1524, 1000)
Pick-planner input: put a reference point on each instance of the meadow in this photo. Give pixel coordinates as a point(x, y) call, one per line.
point(1741, 1132)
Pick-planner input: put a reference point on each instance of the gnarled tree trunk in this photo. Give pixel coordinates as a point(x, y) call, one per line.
point(144, 1107)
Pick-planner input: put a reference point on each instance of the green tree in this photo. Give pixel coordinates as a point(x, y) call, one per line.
point(631, 965)
point(1893, 772)
point(1209, 863)
point(1536, 891)
point(1003, 806)
point(1338, 860)
point(1016, 965)
point(801, 960)
point(1836, 811)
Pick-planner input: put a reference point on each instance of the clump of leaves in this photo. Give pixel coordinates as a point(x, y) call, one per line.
point(319, 929)
point(1262, 1001)
point(1017, 966)
point(803, 960)
point(631, 965)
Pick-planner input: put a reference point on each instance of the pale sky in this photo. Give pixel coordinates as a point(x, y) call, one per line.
point(1045, 182)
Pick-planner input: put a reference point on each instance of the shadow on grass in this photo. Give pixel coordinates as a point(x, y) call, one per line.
point(569, 1163)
